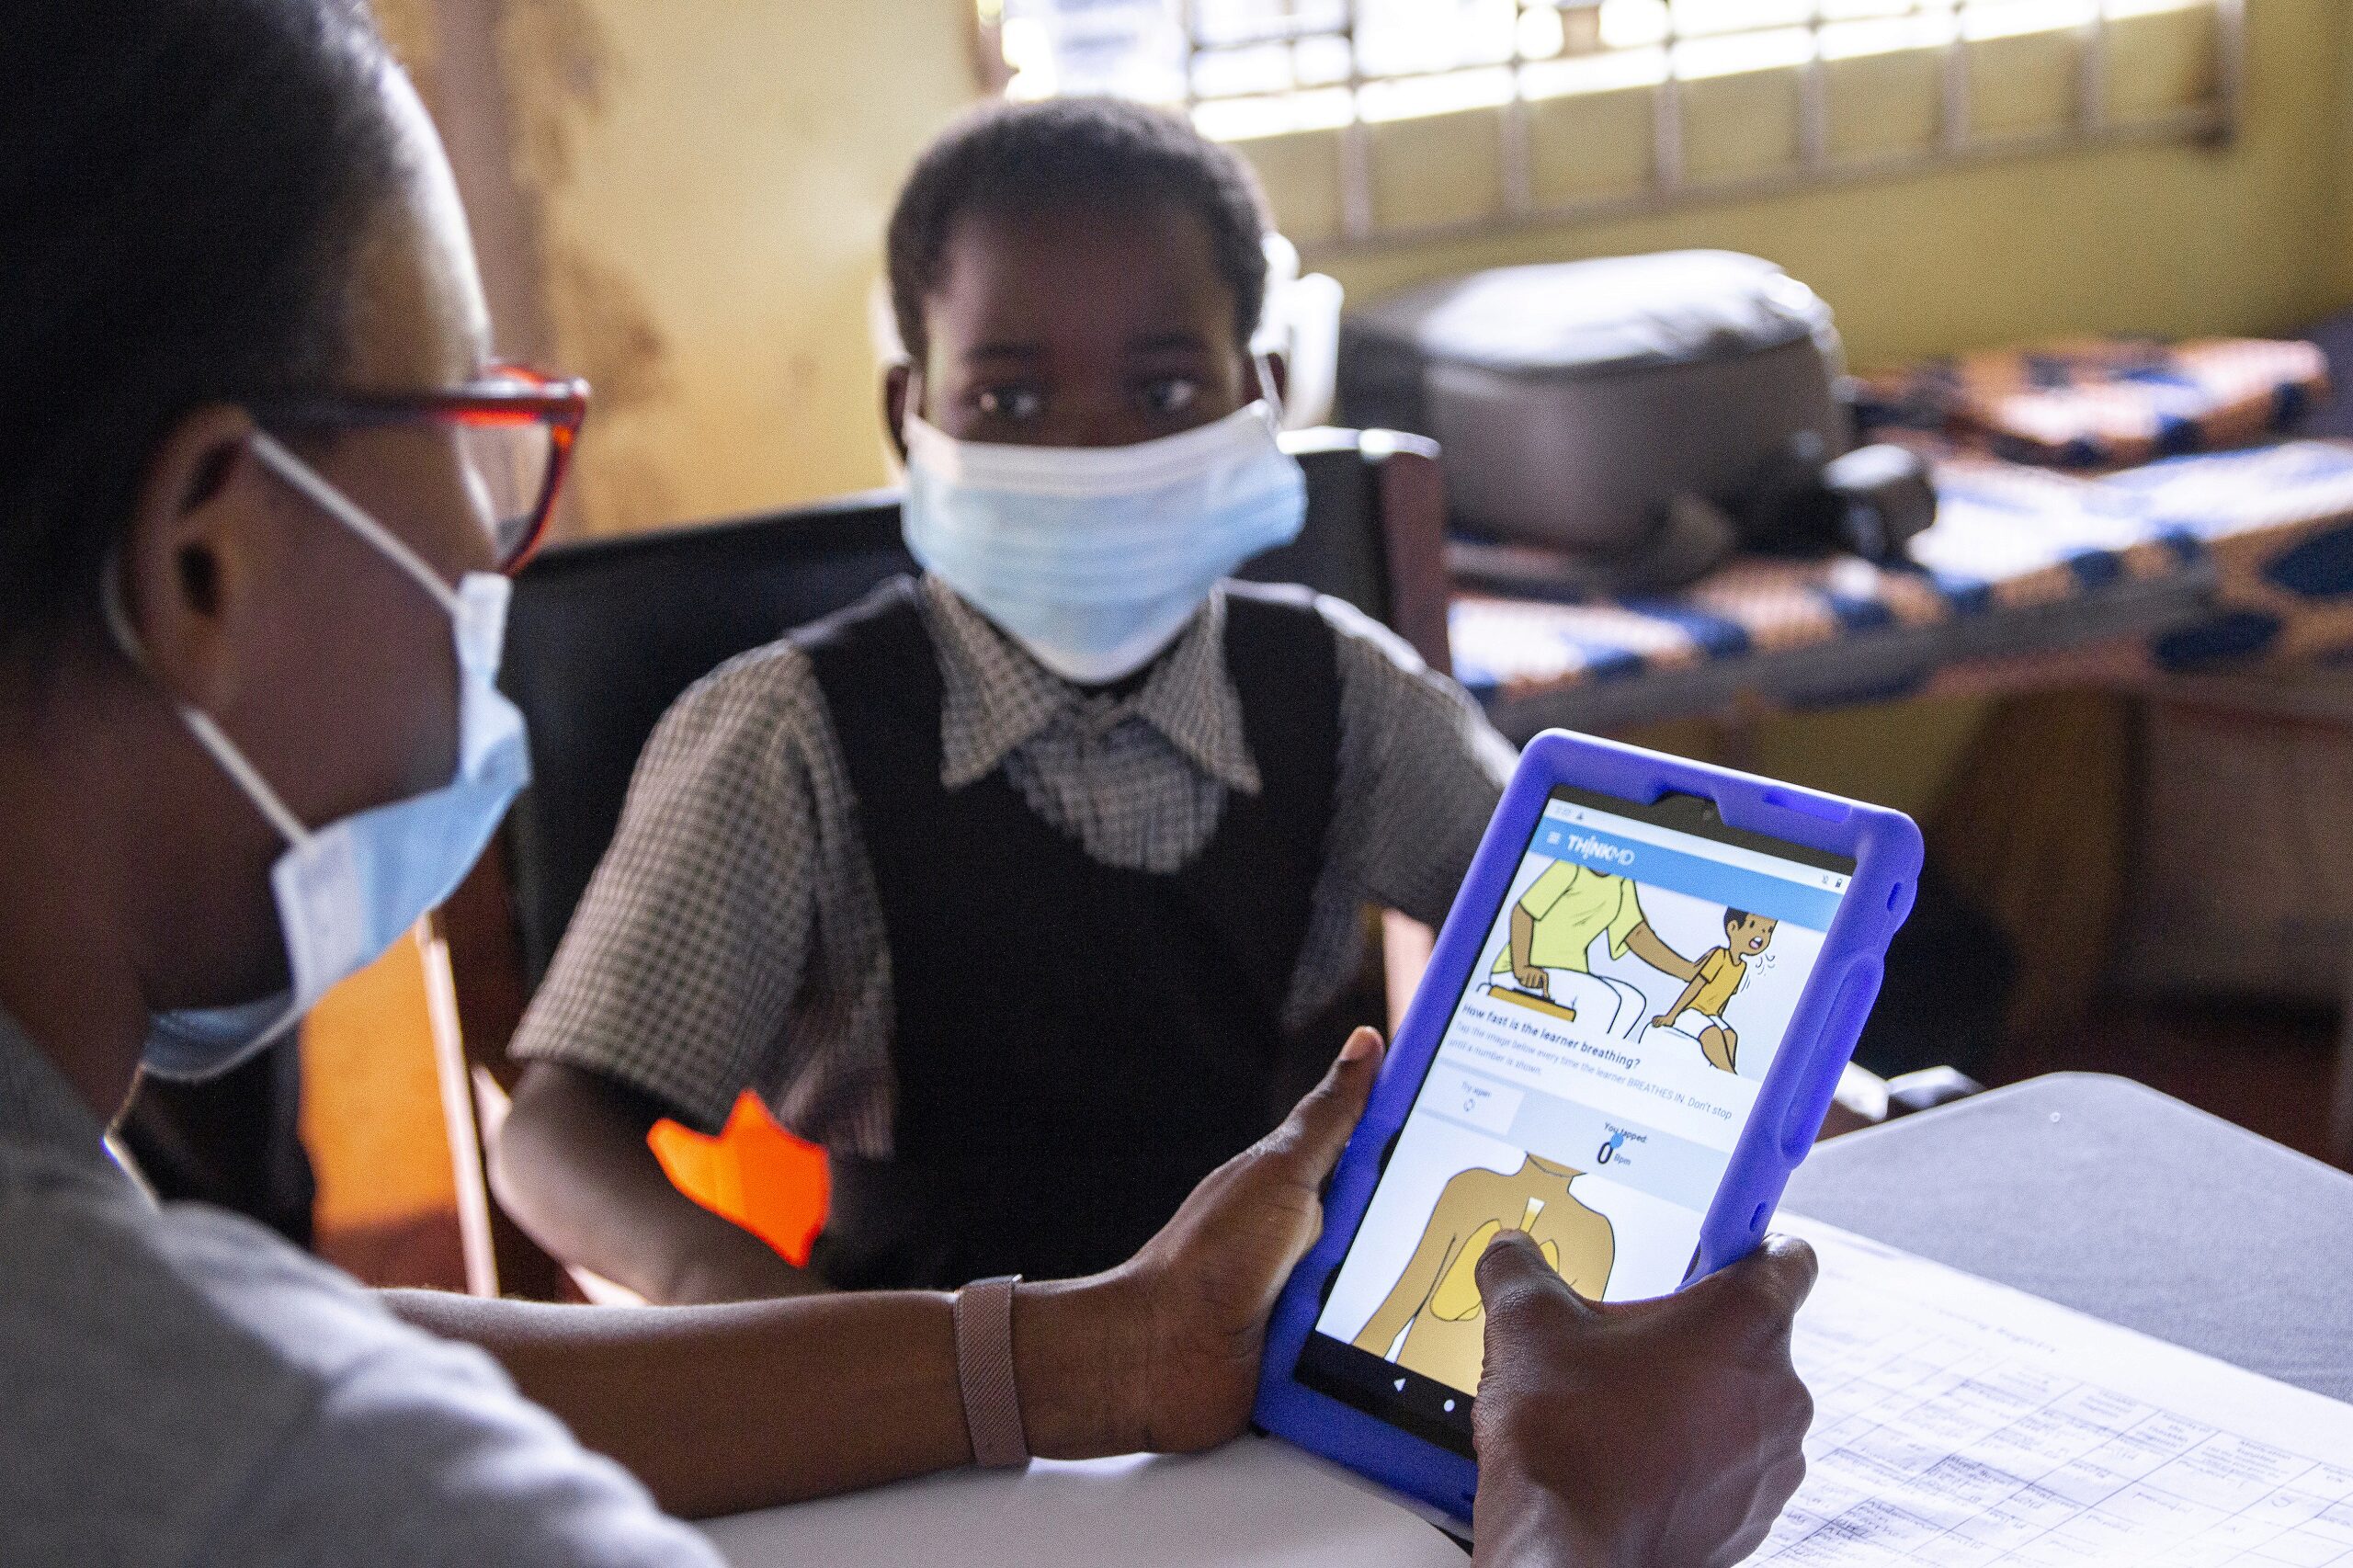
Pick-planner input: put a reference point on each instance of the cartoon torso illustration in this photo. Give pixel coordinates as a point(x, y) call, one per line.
point(1435, 1305)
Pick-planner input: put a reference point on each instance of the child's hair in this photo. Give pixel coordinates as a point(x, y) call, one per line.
point(1735, 918)
point(1105, 154)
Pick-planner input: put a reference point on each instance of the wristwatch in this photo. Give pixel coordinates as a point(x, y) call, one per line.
point(984, 1372)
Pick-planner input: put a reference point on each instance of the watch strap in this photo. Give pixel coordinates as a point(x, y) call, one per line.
point(984, 1372)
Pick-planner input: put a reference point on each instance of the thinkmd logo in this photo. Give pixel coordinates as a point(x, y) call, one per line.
point(1599, 849)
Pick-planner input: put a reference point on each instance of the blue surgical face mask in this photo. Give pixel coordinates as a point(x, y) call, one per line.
point(1093, 558)
point(347, 891)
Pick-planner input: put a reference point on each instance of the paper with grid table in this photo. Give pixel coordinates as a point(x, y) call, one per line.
point(1962, 1423)
point(1959, 1423)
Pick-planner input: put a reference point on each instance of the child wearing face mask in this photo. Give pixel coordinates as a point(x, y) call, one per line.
point(1015, 885)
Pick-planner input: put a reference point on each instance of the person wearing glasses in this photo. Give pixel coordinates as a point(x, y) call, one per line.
point(257, 477)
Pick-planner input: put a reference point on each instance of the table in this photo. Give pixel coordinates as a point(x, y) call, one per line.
point(2089, 1190)
point(2110, 1197)
point(2210, 560)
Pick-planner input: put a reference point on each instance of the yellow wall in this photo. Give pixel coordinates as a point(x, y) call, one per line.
point(2343, 158)
point(713, 178)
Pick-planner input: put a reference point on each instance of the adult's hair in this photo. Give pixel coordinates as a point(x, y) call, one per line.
point(183, 184)
point(1066, 154)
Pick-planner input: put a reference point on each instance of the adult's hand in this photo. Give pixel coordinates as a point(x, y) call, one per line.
point(1196, 1298)
point(1662, 1434)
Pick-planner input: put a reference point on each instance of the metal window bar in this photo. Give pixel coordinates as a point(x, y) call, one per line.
point(1813, 100)
point(1356, 142)
point(1954, 120)
point(1285, 25)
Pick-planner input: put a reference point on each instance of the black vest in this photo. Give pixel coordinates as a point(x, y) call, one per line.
point(1075, 1046)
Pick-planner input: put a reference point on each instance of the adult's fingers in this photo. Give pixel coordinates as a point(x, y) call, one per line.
point(1318, 1127)
point(1763, 1290)
point(1514, 1274)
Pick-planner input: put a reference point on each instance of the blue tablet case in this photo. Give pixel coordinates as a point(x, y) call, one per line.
point(1791, 1102)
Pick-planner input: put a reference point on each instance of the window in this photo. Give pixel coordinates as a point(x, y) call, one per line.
point(1551, 108)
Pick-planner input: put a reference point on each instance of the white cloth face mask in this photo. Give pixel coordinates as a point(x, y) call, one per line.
point(347, 891)
point(1095, 558)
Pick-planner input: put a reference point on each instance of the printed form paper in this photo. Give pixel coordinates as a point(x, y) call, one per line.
point(1962, 1423)
point(1958, 1423)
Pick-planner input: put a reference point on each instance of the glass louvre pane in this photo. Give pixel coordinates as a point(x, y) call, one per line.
point(1321, 60)
point(1416, 37)
point(1134, 48)
point(1888, 35)
point(1865, 10)
point(1234, 73)
point(1695, 18)
point(1218, 23)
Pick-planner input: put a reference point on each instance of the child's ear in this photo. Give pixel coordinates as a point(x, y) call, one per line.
point(898, 379)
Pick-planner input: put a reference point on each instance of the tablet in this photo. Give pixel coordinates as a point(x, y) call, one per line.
point(1628, 1036)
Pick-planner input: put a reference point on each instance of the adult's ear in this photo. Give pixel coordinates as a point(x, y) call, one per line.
point(190, 564)
point(898, 386)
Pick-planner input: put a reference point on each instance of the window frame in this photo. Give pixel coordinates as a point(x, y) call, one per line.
point(2213, 121)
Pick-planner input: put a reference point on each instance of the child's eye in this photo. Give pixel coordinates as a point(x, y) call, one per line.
point(1170, 394)
point(1016, 403)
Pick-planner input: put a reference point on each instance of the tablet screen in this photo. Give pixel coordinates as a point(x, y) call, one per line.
point(1598, 1067)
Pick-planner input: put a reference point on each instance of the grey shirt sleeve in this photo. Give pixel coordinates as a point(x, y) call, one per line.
point(679, 971)
point(182, 1388)
point(421, 1457)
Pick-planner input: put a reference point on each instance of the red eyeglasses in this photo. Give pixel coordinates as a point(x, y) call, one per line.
point(515, 431)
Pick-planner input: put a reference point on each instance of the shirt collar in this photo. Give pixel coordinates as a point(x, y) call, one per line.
point(997, 697)
point(39, 1109)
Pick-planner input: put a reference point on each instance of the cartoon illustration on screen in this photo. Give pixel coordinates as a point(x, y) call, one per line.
point(1548, 968)
point(1722, 973)
point(1432, 1321)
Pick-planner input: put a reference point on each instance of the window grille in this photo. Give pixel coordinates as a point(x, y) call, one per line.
point(1252, 69)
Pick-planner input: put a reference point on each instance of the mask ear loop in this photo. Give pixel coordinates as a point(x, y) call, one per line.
point(911, 414)
point(1274, 400)
point(208, 735)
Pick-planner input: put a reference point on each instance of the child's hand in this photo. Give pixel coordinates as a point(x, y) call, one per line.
point(1662, 1022)
point(1530, 978)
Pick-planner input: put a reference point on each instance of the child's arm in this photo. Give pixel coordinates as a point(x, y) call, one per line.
point(1690, 989)
point(672, 989)
point(573, 1167)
